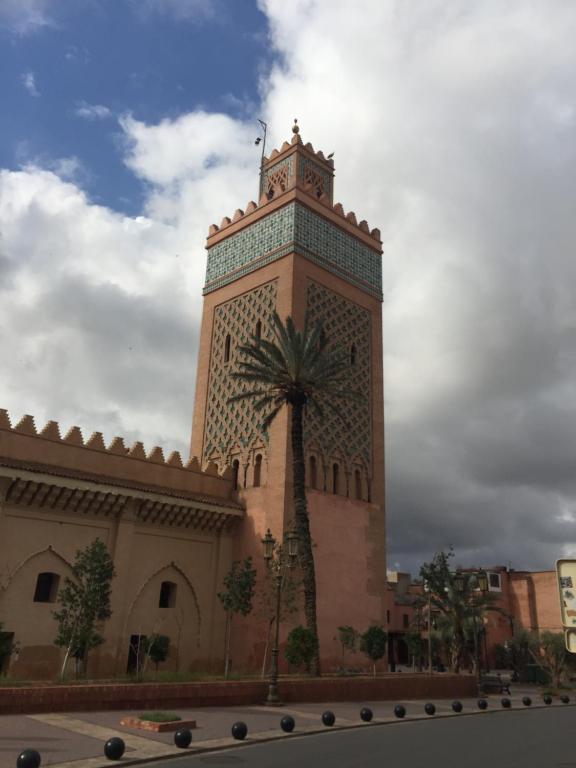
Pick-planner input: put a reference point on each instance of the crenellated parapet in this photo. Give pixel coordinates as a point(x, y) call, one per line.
point(242, 214)
point(23, 445)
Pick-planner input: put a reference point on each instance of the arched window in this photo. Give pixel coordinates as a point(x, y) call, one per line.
point(353, 355)
point(358, 483)
point(227, 348)
point(323, 339)
point(313, 472)
point(335, 478)
point(46, 587)
point(167, 594)
point(235, 470)
point(257, 470)
point(258, 331)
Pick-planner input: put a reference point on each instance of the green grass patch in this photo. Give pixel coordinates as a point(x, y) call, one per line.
point(159, 717)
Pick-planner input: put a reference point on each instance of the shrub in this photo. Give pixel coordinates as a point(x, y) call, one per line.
point(373, 644)
point(301, 645)
point(159, 717)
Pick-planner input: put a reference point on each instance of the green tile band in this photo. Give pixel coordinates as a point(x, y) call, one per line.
point(294, 228)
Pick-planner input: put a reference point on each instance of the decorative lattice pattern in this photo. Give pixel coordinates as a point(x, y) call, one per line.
point(282, 171)
point(294, 228)
point(347, 324)
point(314, 174)
point(234, 427)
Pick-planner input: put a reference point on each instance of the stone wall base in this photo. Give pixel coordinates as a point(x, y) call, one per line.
point(98, 697)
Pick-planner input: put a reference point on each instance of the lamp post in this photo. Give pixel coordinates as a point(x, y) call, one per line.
point(278, 559)
point(482, 583)
point(427, 589)
point(480, 580)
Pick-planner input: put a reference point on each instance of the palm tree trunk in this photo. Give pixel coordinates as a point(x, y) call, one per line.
point(306, 556)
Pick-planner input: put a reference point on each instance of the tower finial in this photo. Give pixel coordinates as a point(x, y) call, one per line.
point(295, 128)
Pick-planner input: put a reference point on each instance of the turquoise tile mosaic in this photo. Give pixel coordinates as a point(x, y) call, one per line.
point(294, 228)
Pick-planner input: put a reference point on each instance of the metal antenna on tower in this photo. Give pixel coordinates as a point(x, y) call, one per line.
point(257, 142)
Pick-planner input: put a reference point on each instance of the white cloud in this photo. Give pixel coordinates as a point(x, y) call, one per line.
point(29, 82)
point(452, 126)
point(184, 10)
point(92, 111)
point(25, 16)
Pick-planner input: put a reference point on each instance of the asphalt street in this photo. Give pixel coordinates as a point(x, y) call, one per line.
point(543, 738)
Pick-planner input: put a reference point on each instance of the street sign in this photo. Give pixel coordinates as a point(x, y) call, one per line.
point(570, 637)
point(566, 572)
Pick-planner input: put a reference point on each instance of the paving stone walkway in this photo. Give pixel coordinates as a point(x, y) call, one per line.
point(76, 740)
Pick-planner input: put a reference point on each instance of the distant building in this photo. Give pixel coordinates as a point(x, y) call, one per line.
point(529, 600)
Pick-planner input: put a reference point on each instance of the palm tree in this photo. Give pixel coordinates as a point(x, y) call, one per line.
point(461, 610)
point(459, 606)
point(297, 369)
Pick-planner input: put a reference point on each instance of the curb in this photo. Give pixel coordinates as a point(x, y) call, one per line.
point(303, 732)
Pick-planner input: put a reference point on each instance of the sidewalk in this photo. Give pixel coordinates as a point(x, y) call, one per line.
point(65, 739)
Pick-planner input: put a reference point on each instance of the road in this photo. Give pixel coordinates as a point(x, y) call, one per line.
point(542, 738)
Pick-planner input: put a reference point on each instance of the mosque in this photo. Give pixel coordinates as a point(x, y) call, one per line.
point(174, 525)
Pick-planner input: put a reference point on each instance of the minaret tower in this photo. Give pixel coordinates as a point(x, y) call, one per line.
point(297, 252)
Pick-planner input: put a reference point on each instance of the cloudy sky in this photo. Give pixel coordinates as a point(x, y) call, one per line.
point(128, 126)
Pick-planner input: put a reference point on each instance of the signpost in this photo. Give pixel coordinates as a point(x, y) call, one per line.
point(566, 572)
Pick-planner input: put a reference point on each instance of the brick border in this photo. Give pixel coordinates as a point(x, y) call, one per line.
point(102, 696)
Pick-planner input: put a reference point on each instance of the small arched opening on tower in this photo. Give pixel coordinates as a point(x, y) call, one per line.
point(312, 473)
point(167, 597)
point(235, 472)
point(258, 331)
point(335, 478)
point(227, 344)
point(46, 589)
point(257, 470)
point(353, 355)
point(358, 484)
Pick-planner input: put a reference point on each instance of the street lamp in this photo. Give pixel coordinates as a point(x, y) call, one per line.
point(427, 588)
point(278, 559)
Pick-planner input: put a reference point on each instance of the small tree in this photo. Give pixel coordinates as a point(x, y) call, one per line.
point(348, 637)
point(240, 582)
point(414, 644)
point(301, 647)
point(373, 644)
point(84, 603)
point(519, 653)
point(290, 599)
point(157, 648)
point(549, 652)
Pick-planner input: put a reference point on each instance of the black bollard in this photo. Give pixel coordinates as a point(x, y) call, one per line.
point(328, 718)
point(183, 738)
point(399, 710)
point(482, 704)
point(287, 724)
point(527, 701)
point(506, 703)
point(114, 748)
point(239, 730)
point(547, 700)
point(430, 709)
point(457, 706)
point(366, 714)
point(29, 758)
point(565, 699)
